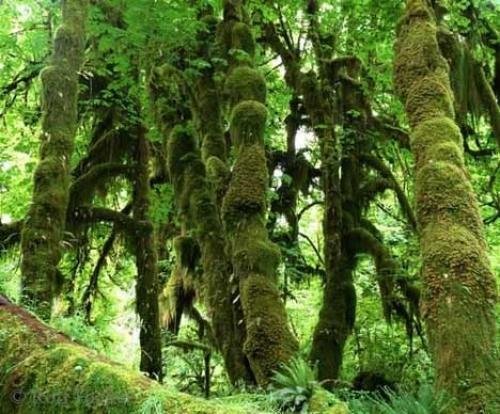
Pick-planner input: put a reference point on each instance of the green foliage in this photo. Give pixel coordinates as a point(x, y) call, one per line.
point(425, 401)
point(293, 386)
point(151, 405)
point(131, 41)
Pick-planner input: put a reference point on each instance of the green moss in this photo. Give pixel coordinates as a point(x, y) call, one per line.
point(269, 341)
point(242, 39)
point(434, 132)
point(217, 170)
point(43, 373)
point(246, 195)
point(429, 98)
point(244, 83)
point(187, 251)
point(444, 193)
point(248, 123)
point(224, 37)
point(459, 289)
point(448, 152)
point(59, 103)
point(214, 145)
point(182, 141)
point(43, 231)
point(218, 176)
point(257, 256)
point(417, 51)
point(321, 403)
point(458, 286)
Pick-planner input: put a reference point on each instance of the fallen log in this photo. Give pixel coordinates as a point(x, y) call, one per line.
point(44, 371)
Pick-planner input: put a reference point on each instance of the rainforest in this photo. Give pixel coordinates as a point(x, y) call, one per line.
point(249, 206)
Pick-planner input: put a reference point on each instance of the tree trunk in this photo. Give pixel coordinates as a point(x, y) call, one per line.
point(147, 287)
point(459, 287)
point(336, 316)
point(43, 371)
point(269, 341)
point(44, 227)
point(198, 213)
point(220, 289)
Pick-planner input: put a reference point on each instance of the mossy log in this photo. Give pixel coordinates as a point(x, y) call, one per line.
point(43, 371)
point(459, 287)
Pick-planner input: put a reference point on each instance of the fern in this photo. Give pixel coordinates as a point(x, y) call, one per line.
point(293, 386)
point(426, 401)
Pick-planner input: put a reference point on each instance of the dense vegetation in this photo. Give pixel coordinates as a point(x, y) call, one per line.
point(249, 206)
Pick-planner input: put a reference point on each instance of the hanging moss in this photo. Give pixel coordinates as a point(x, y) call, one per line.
point(187, 251)
point(176, 298)
point(218, 176)
point(214, 145)
point(224, 37)
point(244, 83)
point(182, 142)
point(199, 216)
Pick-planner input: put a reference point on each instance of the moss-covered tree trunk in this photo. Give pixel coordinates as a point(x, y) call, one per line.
point(44, 226)
point(220, 289)
point(269, 341)
point(460, 293)
point(147, 287)
point(336, 315)
point(43, 371)
point(194, 184)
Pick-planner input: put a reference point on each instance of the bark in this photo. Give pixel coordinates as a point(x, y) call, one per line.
point(43, 371)
point(147, 287)
point(459, 288)
point(44, 227)
point(269, 341)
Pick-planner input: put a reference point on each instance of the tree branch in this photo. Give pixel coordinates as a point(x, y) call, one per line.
point(91, 215)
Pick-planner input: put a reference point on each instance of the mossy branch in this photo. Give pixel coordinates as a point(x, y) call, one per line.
point(97, 174)
point(190, 346)
point(92, 288)
point(91, 215)
point(386, 173)
point(489, 101)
